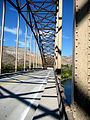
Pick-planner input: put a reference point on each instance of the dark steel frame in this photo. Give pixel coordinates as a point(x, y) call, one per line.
point(42, 15)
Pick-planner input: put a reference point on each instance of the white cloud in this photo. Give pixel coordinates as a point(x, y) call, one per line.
point(12, 30)
point(4, 40)
point(12, 9)
point(28, 37)
point(22, 43)
point(65, 36)
point(28, 44)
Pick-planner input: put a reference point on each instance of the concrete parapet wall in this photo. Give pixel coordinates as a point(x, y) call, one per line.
point(81, 69)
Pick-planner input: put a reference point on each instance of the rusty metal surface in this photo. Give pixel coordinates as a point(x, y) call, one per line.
point(41, 20)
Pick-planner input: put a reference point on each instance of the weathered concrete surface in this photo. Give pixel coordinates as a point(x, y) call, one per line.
point(81, 68)
point(20, 94)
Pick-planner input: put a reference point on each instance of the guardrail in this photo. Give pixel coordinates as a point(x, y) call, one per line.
point(62, 112)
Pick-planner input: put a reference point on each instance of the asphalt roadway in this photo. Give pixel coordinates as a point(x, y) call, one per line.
point(20, 94)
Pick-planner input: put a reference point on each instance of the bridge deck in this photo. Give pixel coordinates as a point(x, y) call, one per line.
point(24, 96)
point(48, 107)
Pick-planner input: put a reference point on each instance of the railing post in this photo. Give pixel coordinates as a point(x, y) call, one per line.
point(17, 41)
point(25, 44)
point(2, 34)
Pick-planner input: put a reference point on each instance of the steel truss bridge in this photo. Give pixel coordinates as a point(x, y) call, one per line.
point(44, 17)
point(40, 16)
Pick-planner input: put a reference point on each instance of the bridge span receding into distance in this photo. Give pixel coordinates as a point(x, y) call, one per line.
point(29, 95)
point(29, 90)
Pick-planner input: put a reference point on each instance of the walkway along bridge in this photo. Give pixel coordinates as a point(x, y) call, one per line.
point(44, 18)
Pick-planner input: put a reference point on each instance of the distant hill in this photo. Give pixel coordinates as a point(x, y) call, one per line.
point(67, 60)
point(9, 57)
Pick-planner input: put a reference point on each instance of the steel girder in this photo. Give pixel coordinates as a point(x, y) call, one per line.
point(41, 20)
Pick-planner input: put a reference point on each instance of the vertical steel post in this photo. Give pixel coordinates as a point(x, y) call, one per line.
point(25, 44)
point(2, 34)
point(30, 51)
point(59, 38)
point(35, 50)
point(34, 55)
point(56, 39)
point(17, 41)
point(41, 61)
point(38, 60)
point(37, 53)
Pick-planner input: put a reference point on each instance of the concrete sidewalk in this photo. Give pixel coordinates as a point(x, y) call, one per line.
point(48, 107)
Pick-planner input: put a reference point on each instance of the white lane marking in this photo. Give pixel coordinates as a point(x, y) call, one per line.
point(38, 76)
point(32, 101)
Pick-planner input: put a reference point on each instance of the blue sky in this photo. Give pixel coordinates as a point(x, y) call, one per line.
point(11, 28)
point(67, 28)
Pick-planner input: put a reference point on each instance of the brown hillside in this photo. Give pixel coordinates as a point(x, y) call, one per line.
point(9, 57)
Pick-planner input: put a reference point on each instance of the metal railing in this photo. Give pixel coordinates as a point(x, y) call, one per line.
point(62, 112)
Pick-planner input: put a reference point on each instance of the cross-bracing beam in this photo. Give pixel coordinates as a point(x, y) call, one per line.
point(42, 18)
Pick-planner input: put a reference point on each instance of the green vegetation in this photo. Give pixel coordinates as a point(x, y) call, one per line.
point(9, 68)
point(66, 72)
point(20, 67)
point(31, 66)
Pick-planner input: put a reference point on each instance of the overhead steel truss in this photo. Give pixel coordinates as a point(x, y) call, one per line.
point(41, 20)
